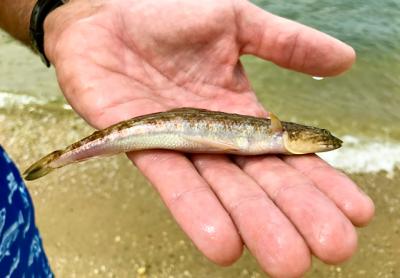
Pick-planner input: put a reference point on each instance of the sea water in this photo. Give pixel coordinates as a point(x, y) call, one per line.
point(83, 209)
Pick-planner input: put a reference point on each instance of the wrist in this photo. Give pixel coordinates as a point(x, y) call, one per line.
point(59, 21)
point(40, 11)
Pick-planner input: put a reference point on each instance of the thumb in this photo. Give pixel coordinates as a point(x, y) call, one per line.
point(290, 44)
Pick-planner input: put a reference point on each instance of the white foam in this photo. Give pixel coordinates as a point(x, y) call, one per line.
point(358, 155)
point(66, 106)
point(361, 155)
point(7, 99)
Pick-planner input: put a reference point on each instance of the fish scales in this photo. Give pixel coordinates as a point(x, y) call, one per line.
point(194, 131)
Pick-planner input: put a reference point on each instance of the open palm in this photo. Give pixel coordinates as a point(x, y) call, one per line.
point(118, 59)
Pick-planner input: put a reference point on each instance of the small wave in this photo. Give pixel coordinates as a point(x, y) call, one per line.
point(10, 99)
point(362, 155)
point(358, 155)
point(7, 99)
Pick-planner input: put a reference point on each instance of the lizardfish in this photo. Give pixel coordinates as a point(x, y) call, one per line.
point(192, 130)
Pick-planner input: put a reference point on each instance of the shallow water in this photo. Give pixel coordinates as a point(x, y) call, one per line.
point(103, 219)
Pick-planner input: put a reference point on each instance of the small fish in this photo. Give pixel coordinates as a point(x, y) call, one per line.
point(192, 130)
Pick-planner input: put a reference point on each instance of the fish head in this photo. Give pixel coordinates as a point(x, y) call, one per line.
point(300, 139)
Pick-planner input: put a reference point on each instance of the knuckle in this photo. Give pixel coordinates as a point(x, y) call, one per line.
point(319, 168)
point(236, 205)
point(289, 43)
point(288, 189)
point(179, 197)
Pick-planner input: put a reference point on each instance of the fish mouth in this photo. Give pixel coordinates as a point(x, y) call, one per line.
point(331, 143)
point(338, 143)
point(311, 144)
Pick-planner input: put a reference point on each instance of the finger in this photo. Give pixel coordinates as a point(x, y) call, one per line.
point(354, 203)
point(290, 44)
point(192, 203)
point(330, 235)
point(268, 234)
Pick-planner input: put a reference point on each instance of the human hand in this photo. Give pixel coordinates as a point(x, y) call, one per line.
point(117, 59)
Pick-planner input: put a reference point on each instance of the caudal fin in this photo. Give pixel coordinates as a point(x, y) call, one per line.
point(41, 167)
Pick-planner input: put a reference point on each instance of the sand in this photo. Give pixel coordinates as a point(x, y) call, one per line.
point(102, 218)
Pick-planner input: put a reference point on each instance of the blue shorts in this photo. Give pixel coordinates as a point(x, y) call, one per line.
point(21, 249)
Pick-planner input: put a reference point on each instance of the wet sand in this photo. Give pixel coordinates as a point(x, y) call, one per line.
point(103, 219)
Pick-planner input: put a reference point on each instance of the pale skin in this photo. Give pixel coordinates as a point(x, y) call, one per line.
point(117, 59)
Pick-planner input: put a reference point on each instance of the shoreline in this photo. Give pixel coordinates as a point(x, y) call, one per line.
point(106, 220)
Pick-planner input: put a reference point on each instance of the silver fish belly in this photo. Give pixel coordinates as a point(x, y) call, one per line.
point(194, 131)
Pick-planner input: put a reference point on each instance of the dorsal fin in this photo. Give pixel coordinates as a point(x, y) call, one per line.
point(276, 125)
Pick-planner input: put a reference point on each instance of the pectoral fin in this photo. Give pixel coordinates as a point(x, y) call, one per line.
point(276, 125)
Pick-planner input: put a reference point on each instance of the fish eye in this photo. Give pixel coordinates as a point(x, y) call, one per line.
point(326, 132)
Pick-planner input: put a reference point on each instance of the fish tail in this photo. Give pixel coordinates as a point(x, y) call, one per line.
point(42, 166)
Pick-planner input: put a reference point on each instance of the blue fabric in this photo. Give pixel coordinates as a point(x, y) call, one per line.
point(21, 249)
